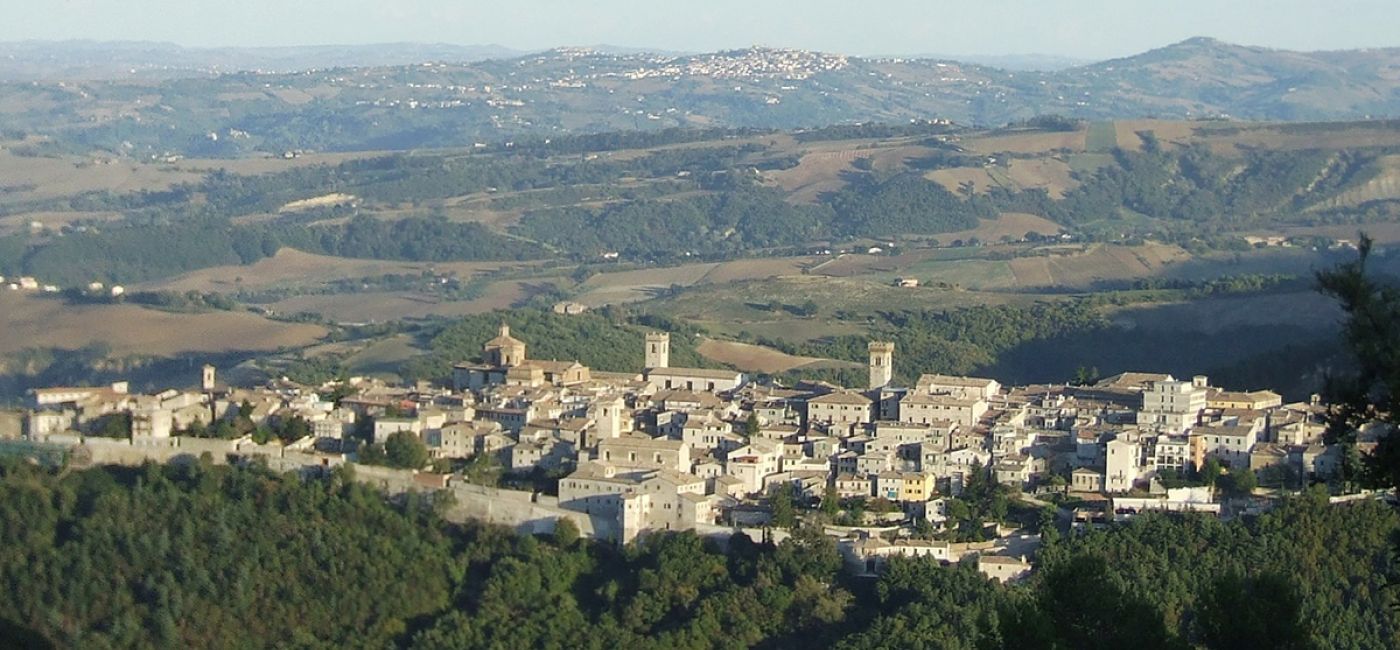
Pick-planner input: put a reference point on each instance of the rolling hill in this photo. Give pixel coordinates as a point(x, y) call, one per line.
point(70, 60)
point(579, 90)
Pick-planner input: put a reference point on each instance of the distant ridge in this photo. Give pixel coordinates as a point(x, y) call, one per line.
point(78, 59)
point(1015, 62)
point(491, 94)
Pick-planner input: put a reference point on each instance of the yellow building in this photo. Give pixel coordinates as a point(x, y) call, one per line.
point(904, 486)
point(916, 486)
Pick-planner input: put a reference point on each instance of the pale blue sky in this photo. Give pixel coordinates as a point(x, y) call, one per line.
point(1079, 28)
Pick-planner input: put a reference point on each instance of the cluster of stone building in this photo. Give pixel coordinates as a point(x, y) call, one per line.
point(683, 448)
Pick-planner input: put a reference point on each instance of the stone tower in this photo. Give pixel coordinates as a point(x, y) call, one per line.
point(505, 351)
point(206, 378)
point(881, 363)
point(607, 418)
point(658, 350)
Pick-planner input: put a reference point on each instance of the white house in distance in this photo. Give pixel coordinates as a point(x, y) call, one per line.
point(1173, 406)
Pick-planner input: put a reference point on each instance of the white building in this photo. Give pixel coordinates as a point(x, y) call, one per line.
point(963, 387)
point(840, 409)
point(697, 379)
point(1121, 465)
point(1230, 444)
point(641, 452)
point(1171, 453)
point(1173, 406)
point(921, 408)
point(753, 464)
point(1003, 568)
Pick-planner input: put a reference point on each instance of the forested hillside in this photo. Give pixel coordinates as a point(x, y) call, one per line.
point(711, 195)
point(202, 556)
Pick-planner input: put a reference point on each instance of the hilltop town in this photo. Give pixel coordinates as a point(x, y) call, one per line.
point(947, 468)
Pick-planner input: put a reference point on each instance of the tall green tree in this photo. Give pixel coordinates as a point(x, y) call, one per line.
point(1085, 607)
point(831, 502)
point(784, 512)
point(406, 450)
point(1371, 391)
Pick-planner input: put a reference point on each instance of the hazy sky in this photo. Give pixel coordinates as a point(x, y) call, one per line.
point(1079, 28)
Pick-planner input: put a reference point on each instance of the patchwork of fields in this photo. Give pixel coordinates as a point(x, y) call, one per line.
point(756, 358)
point(762, 296)
point(42, 322)
point(293, 268)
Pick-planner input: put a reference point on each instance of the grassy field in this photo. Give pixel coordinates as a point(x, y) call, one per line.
point(854, 264)
point(267, 165)
point(1101, 137)
point(757, 358)
point(757, 269)
point(34, 177)
point(1304, 309)
point(1027, 142)
point(46, 177)
point(815, 174)
point(893, 158)
point(1167, 132)
point(747, 303)
point(858, 264)
point(1049, 174)
point(977, 275)
point(1297, 136)
point(1062, 266)
point(643, 284)
point(1088, 163)
point(30, 321)
point(1010, 224)
point(293, 268)
point(382, 358)
point(1096, 263)
point(639, 284)
point(953, 178)
point(382, 307)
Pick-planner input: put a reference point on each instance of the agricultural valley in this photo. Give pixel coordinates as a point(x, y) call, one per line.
point(438, 346)
point(772, 247)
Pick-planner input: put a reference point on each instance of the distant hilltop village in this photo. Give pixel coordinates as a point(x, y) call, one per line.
point(709, 450)
point(754, 62)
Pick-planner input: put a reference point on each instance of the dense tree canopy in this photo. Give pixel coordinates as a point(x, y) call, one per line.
point(205, 556)
point(956, 341)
